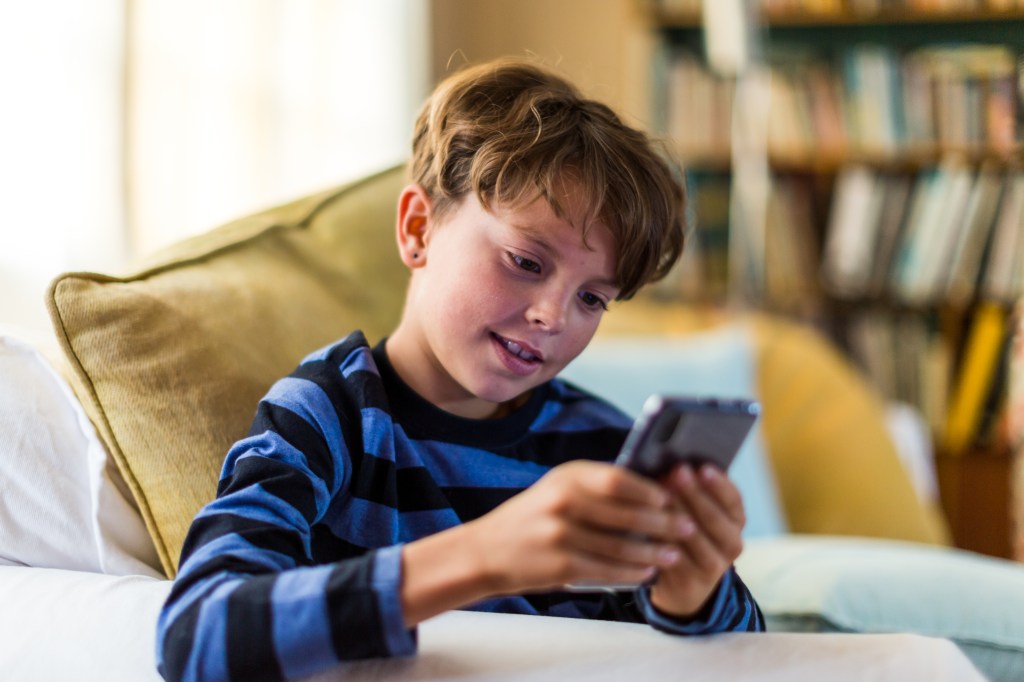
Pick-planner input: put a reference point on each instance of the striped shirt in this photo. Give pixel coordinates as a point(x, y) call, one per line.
point(296, 565)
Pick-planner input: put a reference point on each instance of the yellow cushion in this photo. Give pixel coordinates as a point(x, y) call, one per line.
point(170, 362)
point(837, 468)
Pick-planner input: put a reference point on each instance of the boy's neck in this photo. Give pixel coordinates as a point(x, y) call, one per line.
point(509, 406)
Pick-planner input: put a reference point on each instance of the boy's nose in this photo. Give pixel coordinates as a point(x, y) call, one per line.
point(549, 312)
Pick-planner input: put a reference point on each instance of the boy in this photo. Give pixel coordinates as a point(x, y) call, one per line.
point(447, 467)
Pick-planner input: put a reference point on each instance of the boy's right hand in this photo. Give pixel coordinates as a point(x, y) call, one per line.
point(582, 522)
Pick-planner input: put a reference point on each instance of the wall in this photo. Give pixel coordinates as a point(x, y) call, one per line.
point(603, 45)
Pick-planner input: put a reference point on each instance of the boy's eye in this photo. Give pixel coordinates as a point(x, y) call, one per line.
point(525, 263)
point(592, 301)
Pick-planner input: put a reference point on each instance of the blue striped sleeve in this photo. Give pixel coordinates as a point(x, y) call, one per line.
point(248, 601)
point(730, 609)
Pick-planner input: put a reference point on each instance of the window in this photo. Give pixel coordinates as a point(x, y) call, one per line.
point(133, 123)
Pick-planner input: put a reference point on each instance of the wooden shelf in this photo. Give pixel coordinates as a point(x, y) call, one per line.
point(828, 162)
point(975, 496)
point(793, 19)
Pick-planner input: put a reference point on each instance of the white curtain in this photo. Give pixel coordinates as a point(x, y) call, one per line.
point(128, 124)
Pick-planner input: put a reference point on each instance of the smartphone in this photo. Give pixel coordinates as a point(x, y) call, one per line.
point(671, 430)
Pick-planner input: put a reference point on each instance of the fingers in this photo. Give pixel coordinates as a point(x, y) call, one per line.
point(609, 498)
point(627, 549)
point(724, 491)
point(613, 525)
point(669, 524)
point(717, 509)
point(606, 480)
point(583, 569)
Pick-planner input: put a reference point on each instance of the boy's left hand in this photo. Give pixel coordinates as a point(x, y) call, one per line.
point(711, 546)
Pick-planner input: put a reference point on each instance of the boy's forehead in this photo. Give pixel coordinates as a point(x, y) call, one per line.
point(531, 213)
point(536, 220)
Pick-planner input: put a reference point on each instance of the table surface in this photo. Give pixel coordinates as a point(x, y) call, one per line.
point(57, 625)
point(482, 646)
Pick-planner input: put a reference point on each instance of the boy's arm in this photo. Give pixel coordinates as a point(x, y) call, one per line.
point(571, 526)
point(248, 601)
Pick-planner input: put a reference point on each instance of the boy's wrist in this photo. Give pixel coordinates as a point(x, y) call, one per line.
point(685, 608)
point(443, 572)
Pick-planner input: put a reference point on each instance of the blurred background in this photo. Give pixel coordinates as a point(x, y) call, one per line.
point(129, 124)
point(855, 165)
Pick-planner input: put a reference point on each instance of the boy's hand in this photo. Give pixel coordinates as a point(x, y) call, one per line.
point(581, 522)
point(712, 541)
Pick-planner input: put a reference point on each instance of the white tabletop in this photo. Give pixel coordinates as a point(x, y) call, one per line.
point(481, 646)
point(67, 625)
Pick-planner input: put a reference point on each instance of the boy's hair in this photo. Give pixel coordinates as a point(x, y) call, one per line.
point(510, 130)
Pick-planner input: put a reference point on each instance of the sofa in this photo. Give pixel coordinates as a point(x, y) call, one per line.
point(149, 378)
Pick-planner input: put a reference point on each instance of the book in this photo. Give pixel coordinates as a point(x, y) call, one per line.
point(703, 269)
point(826, 98)
point(975, 376)
point(871, 80)
point(791, 249)
point(918, 103)
point(911, 343)
point(920, 231)
point(893, 214)
point(938, 242)
point(852, 230)
point(973, 239)
point(991, 434)
point(936, 368)
point(1001, 280)
point(872, 341)
point(699, 107)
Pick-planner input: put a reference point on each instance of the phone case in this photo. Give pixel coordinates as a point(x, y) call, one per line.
point(673, 429)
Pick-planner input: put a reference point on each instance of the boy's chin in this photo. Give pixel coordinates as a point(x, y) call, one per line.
point(509, 397)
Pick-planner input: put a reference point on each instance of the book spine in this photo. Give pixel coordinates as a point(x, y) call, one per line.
point(975, 377)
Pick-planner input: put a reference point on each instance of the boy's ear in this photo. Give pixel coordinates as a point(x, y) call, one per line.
point(413, 224)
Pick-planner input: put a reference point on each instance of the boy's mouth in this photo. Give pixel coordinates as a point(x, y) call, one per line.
point(525, 354)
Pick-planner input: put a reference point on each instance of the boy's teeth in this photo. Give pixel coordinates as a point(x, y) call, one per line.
point(517, 350)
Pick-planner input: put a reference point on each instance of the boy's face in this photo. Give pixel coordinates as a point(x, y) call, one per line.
point(500, 302)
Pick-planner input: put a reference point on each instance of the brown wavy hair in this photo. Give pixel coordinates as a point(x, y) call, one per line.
point(510, 130)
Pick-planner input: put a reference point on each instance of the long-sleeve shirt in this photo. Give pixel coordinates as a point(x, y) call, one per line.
point(296, 565)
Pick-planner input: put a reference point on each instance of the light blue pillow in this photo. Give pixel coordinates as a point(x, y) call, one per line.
point(807, 583)
point(719, 363)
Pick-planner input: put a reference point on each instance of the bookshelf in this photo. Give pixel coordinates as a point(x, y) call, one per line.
point(895, 216)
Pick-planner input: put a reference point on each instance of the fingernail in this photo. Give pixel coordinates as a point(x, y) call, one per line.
point(667, 557)
point(709, 473)
point(685, 528)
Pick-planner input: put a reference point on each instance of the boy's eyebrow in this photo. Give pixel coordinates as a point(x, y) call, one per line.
point(535, 236)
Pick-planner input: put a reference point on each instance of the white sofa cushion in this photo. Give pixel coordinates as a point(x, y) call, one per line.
point(72, 625)
point(60, 505)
